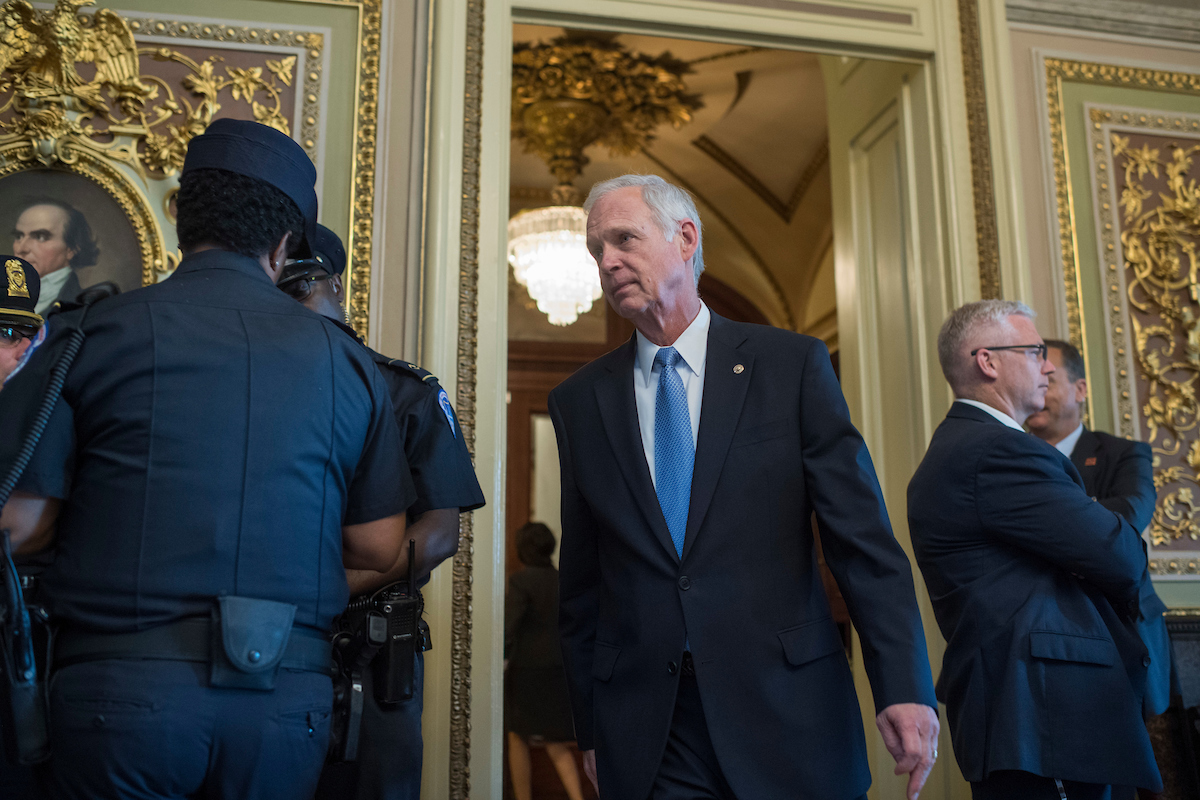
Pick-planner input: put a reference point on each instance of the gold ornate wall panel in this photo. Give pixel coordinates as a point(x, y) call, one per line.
point(114, 97)
point(1145, 174)
point(1124, 180)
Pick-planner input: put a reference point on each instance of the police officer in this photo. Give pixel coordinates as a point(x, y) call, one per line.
point(389, 760)
point(20, 324)
point(218, 458)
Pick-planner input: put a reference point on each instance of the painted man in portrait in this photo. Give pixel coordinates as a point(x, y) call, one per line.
point(56, 239)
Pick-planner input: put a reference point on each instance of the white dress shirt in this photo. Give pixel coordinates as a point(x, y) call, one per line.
point(1067, 445)
point(692, 346)
point(995, 412)
point(52, 284)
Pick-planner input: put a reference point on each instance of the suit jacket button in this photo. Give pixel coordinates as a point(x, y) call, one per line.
point(1145, 661)
point(684, 583)
point(672, 668)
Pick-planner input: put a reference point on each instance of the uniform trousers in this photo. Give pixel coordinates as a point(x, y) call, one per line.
point(128, 729)
point(1017, 785)
point(390, 750)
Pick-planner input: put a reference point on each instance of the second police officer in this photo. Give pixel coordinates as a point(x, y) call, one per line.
point(388, 765)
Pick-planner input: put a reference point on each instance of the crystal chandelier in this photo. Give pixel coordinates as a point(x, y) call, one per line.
point(547, 248)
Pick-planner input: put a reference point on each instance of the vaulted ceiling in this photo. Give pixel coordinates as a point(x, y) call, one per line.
point(755, 157)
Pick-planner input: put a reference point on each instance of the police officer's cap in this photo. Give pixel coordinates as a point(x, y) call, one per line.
point(328, 258)
point(21, 286)
point(258, 151)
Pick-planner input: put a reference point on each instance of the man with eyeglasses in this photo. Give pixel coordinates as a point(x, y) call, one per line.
point(1034, 585)
point(21, 327)
point(390, 750)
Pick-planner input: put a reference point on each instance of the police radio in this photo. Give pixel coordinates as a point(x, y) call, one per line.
point(382, 632)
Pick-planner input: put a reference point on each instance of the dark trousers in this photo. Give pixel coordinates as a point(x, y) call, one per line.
point(154, 729)
point(689, 768)
point(389, 752)
point(1016, 785)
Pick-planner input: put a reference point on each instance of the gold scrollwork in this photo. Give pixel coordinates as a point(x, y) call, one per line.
point(987, 237)
point(1057, 71)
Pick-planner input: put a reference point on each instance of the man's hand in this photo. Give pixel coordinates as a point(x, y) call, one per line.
point(910, 733)
point(589, 769)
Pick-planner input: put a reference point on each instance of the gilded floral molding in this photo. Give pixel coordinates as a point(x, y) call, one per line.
point(468, 346)
point(987, 237)
point(1144, 179)
point(1057, 71)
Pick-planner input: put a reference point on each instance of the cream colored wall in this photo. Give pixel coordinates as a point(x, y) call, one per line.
point(1037, 172)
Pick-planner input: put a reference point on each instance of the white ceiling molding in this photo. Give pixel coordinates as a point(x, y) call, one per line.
point(1149, 20)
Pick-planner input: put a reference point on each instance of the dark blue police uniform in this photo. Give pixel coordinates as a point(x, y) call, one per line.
point(212, 439)
point(391, 748)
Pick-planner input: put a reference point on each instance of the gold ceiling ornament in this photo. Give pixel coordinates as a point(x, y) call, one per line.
point(49, 110)
point(583, 89)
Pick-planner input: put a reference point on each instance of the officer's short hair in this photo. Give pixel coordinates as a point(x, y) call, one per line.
point(669, 204)
point(535, 544)
point(1072, 359)
point(77, 234)
point(236, 212)
point(962, 324)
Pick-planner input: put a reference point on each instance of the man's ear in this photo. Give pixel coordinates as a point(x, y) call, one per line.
point(689, 239)
point(984, 363)
point(1081, 390)
point(338, 289)
point(272, 263)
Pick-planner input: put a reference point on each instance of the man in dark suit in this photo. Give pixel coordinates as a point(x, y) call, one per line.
point(1117, 472)
point(700, 653)
point(1034, 585)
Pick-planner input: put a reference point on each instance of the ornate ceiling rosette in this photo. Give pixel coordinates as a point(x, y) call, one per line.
point(583, 89)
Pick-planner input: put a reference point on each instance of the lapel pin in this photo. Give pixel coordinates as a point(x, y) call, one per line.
point(738, 369)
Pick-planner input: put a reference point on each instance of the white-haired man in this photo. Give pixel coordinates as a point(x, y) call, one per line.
point(700, 653)
point(1034, 585)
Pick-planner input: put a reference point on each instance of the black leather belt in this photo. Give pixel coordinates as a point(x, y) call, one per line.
point(186, 640)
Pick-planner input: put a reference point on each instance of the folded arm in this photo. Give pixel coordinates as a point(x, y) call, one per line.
point(1027, 499)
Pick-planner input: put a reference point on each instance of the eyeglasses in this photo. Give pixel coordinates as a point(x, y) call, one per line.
point(1041, 349)
point(299, 285)
point(10, 336)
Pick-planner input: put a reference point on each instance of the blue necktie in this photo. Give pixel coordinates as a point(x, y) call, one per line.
point(674, 450)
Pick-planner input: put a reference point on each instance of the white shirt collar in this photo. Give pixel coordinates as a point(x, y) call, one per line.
point(692, 346)
point(1067, 445)
point(52, 284)
point(995, 412)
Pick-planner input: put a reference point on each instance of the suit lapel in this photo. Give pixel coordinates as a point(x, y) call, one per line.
point(618, 413)
point(724, 395)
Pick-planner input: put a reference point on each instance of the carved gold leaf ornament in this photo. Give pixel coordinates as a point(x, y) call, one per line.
point(584, 89)
point(1161, 277)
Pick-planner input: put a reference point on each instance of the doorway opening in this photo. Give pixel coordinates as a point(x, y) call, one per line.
point(755, 155)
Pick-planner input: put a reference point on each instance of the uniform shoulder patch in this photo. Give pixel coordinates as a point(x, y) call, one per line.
point(448, 410)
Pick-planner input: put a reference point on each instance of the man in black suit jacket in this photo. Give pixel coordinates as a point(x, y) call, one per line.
point(700, 652)
point(1117, 472)
point(1034, 585)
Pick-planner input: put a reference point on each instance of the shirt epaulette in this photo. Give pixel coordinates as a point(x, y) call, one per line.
point(406, 366)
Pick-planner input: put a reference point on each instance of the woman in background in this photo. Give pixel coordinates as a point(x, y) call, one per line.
point(537, 705)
